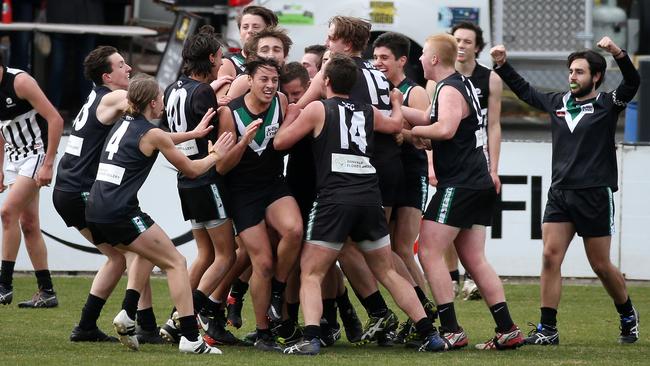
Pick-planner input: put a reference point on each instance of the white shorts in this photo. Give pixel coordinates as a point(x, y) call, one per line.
point(26, 167)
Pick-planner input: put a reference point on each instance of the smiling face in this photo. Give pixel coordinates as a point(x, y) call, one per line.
point(250, 24)
point(426, 59)
point(385, 61)
point(581, 81)
point(264, 83)
point(271, 47)
point(119, 76)
point(466, 39)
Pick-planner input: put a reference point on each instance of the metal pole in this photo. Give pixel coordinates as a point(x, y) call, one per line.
point(589, 22)
point(497, 12)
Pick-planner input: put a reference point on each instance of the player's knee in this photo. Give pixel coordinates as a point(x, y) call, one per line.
point(263, 267)
point(30, 226)
point(601, 269)
point(7, 216)
point(177, 261)
point(117, 262)
point(293, 234)
point(227, 258)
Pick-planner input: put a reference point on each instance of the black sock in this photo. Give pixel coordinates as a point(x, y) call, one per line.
point(423, 298)
point(375, 304)
point(424, 327)
point(286, 328)
point(501, 316)
point(130, 302)
point(277, 287)
point(468, 276)
point(292, 311)
point(549, 317)
point(455, 275)
point(310, 332)
point(171, 314)
point(238, 289)
point(147, 319)
point(200, 300)
point(188, 328)
point(212, 307)
point(329, 311)
point(343, 302)
point(264, 333)
point(44, 280)
point(7, 273)
point(447, 315)
point(625, 309)
point(90, 312)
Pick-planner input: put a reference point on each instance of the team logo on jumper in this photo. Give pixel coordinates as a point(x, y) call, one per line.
point(266, 131)
point(573, 113)
point(10, 102)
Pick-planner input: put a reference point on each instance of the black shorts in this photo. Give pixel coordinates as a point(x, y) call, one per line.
point(203, 203)
point(71, 206)
point(389, 175)
point(248, 207)
point(413, 191)
point(124, 231)
point(591, 210)
point(334, 222)
point(462, 207)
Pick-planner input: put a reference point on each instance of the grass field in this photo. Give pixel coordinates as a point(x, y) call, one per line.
point(587, 320)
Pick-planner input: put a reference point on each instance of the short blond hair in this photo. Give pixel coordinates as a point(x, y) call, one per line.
point(445, 48)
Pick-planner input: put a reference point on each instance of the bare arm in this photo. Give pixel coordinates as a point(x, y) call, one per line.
point(294, 130)
point(2, 160)
point(418, 99)
point(202, 129)
point(494, 127)
point(234, 155)
point(315, 91)
point(157, 139)
point(27, 88)
point(112, 106)
point(416, 117)
point(227, 69)
point(393, 123)
point(238, 87)
point(452, 109)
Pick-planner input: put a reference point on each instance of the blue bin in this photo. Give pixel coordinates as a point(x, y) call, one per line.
point(631, 133)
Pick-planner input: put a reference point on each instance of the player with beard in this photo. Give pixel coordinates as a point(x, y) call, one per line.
point(580, 200)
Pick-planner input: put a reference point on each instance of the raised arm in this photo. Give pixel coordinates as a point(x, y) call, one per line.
point(157, 139)
point(418, 99)
point(315, 91)
point(112, 106)
point(203, 128)
point(519, 86)
point(27, 88)
point(393, 123)
point(631, 79)
point(227, 69)
point(294, 129)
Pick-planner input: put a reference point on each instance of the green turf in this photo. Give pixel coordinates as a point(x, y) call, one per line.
point(587, 321)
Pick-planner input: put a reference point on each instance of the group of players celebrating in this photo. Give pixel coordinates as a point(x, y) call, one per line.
point(354, 190)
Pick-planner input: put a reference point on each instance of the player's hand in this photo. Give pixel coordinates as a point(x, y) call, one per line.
point(293, 111)
point(399, 138)
point(204, 126)
point(251, 130)
point(497, 181)
point(224, 143)
point(221, 82)
point(498, 54)
point(223, 100)
point(421, 143)
point(608, 45)
point(44, 175)
point(396, 97)
point(2, 181)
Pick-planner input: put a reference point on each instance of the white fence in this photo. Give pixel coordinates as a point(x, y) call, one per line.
point(514, 244)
